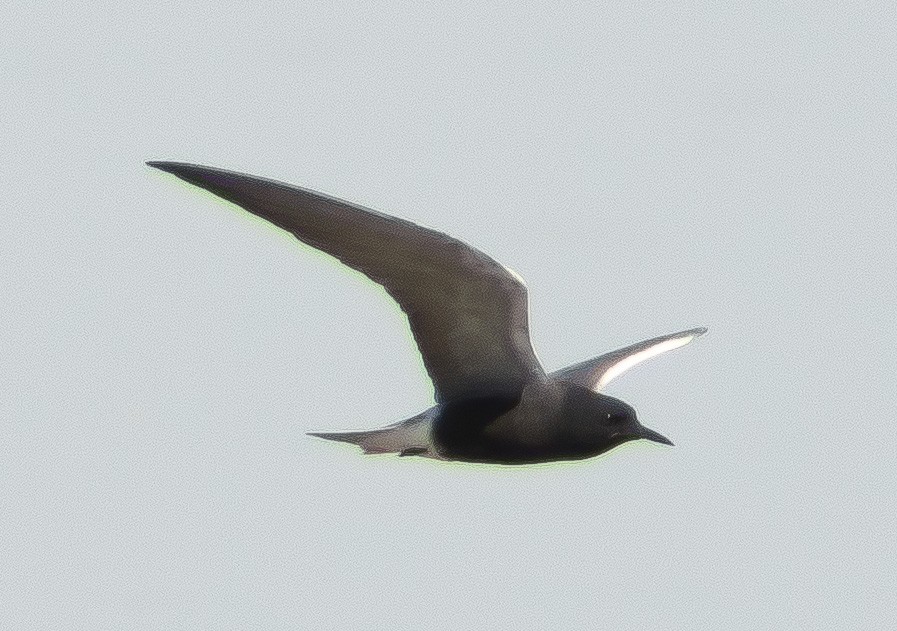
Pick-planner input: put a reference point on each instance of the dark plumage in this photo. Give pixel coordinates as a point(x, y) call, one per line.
point(469, 317)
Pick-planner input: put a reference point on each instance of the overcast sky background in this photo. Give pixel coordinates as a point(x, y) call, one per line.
point(646, 169)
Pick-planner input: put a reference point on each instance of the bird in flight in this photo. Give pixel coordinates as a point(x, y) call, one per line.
point(469, 316)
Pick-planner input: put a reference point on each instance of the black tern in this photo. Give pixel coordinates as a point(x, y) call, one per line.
point(469, 316)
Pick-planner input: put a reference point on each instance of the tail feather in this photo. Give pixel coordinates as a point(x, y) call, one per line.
point(343, 437)
point(371, 441)
point(408, 437)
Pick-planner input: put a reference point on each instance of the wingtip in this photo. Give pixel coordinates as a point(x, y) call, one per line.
point(698, 332)
point(170, 167)
point(216, 180)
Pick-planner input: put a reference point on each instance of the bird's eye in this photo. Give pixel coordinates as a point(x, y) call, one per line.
point(613, 417)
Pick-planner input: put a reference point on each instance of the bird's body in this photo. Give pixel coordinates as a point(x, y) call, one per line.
point(469, 316)
point(549, 420)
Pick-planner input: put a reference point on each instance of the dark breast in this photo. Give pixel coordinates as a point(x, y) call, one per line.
point(466, 430)
point(460, 431)
point(470, 430)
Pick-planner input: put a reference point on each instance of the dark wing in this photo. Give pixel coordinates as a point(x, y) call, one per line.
point(596, 373)
point(467, 312)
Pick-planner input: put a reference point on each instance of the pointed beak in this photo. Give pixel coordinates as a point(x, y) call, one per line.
point(650, 434)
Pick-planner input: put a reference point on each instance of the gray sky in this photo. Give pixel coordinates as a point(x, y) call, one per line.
point(645, 168)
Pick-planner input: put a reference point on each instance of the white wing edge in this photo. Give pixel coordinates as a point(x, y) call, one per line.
point(629, 361)
point(598, 372)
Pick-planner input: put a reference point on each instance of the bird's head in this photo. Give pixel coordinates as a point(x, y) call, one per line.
point(617, 422)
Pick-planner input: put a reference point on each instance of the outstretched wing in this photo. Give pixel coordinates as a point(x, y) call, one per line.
point(467, 312)
point(596, 373)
